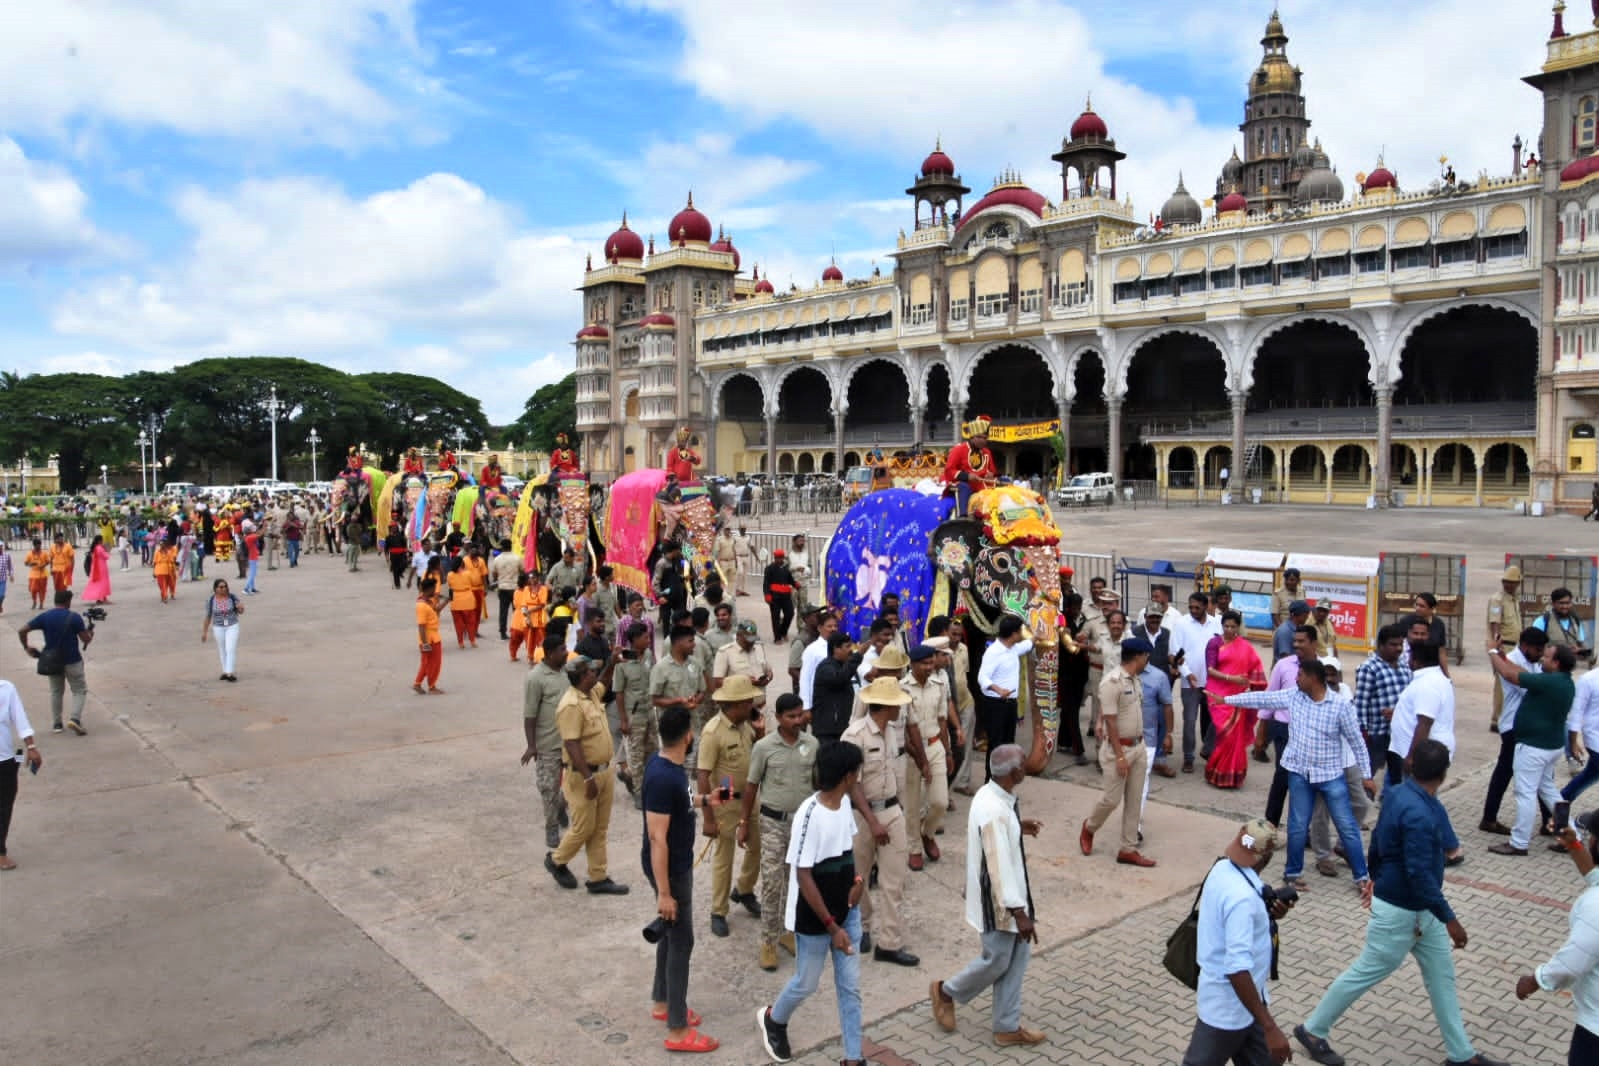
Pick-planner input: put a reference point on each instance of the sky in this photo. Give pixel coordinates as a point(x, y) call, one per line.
point(415, 184)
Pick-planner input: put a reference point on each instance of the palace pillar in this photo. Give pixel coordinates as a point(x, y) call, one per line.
point(771, 444)
point(918, 427)
point(1113, 447)
point(1063, 411)
point(1236, 467)
point(838, 435)
point(1382, 472)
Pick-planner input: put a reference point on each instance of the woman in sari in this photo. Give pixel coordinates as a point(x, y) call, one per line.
point(1237, 669)
point(98, 566)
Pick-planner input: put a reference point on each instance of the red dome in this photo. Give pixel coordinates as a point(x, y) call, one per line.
point(937, 163)
point(659, 318)
point(596, 332)
point(623, 244)
point(689, 225)
point(1381, 178)
point(1089, 124)
point(832, 273)
point(722, 244)
point(1233, 201)
point(1014, 195)
point(764, 286)
point(1580, 169)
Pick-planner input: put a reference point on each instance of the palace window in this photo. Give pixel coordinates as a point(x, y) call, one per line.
point(1587, 115)
point(1505, 246)
point(997, 232)
point(629, 308)
point(1373, 262)
point(699, 294)
point(1156, 288)
point(1031, 301)
point(1293, 271)
point(1276, 140)
point(994, 303)
point(1456, 252)
point(1336, 266)
point(1225, 278)
point(1128, 291)
point(920, 314)
point(1074, 294)
point(958, 310)
point(1185, 284)
point(1412, 258)
point(1254, 275)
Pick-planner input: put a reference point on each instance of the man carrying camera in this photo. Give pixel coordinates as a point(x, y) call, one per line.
point(1237, 915)
point(1409, 914)
point(61, 658)
point(668, 855)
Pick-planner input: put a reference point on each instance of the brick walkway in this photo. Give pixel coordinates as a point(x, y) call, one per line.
point(1106, 999)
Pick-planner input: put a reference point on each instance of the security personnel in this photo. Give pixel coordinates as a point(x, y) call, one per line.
point(724, 762)
point(1326, 633)
point(633, 705)
point(743, 655)
point(879, 818)
point(676, 681)
point(542, 692)
point(781, 764)
point(589, 780)
point(1504, 626)
point(926, 766)
point(1122, 758)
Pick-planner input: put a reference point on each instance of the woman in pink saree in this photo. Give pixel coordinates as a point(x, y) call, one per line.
point(1237, 669)
point(98, 565)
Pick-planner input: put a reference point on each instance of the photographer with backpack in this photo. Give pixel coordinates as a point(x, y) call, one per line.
point(66, 634)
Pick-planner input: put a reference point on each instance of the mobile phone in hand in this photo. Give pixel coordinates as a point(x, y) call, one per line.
point(1562, 815)
point(726, 791)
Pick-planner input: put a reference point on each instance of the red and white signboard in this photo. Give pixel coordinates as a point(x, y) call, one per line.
point(1350, 582)
point(1349, 609)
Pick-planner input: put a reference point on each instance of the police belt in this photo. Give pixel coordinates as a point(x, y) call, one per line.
point(883, 805)
point(599, 769)
point(774, 814)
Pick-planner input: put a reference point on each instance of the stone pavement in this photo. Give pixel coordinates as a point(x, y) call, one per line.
point(316, 866)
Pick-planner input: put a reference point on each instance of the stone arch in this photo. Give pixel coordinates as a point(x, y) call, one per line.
point(1182, 467)
point(1026, 389)
point(878, 392)
point(1117, 376)
point(803, 394)
point(897, 361)
point(1488, 353)
point(1351, 463)
point(806, 464)
point(1254, 343)
point(1505, 464)
point(852, 459)
point(968, 370)
point(1308, 361)
point(937, 392)
point(827, 463)
point(724, 405)
point(1307, 462)
point(1174, 371)
point(785, 463)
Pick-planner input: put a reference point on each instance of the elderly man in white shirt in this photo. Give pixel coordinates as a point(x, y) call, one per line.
point(1190, 636)
point(999, 905)
point(14, 730)
point(999, 682)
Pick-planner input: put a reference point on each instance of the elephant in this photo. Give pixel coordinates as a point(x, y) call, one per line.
point(1001, 559)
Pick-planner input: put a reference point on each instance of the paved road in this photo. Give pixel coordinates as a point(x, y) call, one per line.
point(316, 866)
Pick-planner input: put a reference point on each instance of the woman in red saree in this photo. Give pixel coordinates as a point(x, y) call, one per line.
point(1237, 669)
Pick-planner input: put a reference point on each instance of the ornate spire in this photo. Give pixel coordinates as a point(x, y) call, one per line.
point(1559, 29)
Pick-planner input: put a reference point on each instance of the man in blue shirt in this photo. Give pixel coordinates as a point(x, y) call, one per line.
point(1282, 640)
point(65, 635)
point(1235, 957)
point(1409, 914)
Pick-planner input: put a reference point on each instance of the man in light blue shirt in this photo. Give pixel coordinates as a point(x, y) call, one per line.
point(1235, 959)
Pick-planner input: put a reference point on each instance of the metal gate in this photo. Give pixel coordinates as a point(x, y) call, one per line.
point(1405, 574)
point(764, 541)
point(1542, 574)
point(1135, 576)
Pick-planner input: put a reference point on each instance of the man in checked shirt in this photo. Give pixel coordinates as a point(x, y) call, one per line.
point(1314, 759)
point(1378, 684)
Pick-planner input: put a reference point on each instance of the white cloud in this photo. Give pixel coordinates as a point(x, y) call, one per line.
point(43, 211)
point(298, 266)
point(298, 71)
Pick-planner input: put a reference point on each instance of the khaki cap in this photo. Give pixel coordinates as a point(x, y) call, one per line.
point(885, 692)
point(1512, 573)
point(893, 657)
point(1259, 835)
point(736, 689)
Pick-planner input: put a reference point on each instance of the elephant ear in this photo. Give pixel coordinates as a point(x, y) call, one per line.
point(954, 547)
point(1000, 581)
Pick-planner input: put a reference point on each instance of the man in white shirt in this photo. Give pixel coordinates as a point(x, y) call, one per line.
point(1582, 731)
point(1426, 709)
point(799, 564)
point(1169, 614)
point(14, 729)
point(999, 905)
point(815, 652)
point(1526, 654)
point(1189, 637)
point(999, 681)
point(1234, 956)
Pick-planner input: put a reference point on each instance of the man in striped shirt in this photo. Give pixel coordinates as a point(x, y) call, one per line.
point(1379, 682)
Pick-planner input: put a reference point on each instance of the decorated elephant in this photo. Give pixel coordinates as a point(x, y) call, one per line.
point(1001, 560)
point(642, 512)
point(424, 506)
point(353, 495)
point(493, 515)
point(556, 511)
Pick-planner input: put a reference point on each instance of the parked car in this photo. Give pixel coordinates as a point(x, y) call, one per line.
point(1086, 489)
point(857, 483)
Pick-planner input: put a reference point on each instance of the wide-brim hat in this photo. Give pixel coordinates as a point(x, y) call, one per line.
point(1512, 573)
point(885, 692)
point(892, 657)
point(736, 689)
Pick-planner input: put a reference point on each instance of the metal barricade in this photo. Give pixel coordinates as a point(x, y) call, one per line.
point(1135, 577)
point(1406, 574)
point(765, 541)
point(1542, 574)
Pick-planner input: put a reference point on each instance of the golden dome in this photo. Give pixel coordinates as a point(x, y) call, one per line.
point(1275, 75)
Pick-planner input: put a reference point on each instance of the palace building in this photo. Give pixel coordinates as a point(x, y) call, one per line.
point(1431, 342)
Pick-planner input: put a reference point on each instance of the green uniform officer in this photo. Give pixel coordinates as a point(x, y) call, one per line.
point(724, 762)
point(780, 779)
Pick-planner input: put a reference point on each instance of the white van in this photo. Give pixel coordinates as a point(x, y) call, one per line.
point(180, 488)
point(1087, 488)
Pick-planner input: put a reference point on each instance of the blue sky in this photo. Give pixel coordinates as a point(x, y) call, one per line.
point(414, 184)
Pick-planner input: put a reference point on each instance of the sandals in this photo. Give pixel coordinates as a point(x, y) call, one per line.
point(693, 1040)
point(694, 1018)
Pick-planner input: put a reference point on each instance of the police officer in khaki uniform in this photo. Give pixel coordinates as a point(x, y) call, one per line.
point(542, 692)
point(781, 765)
point(1122, 757)
point(631, 679)
point(879, 818)
point(724, 762)
point(1282, 597)
point(1504, 626)
point(590, 779)
point(746, 656)
point(676, 681)
point(1326, 633)
point(927, 763)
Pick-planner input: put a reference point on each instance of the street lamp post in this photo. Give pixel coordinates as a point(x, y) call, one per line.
point(314, 440)
point(155, 459)
point(24, 464)
point(144, 471)
point(460, 444)
point(103, 470)
point(273, 407)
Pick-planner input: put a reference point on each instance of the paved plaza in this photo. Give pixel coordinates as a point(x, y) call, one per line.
point(316, 866)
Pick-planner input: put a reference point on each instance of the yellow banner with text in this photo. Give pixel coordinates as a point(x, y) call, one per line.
point(1025, 432)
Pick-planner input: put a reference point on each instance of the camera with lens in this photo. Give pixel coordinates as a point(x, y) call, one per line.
point(656, 929)
point(1279, 894)
point(94, 614)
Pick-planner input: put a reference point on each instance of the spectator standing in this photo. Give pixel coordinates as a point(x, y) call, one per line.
point(14, 730)
point(5, 573)
point(1582, 734)
point(1190, 637)
point(1575, 967)
point(1504, 625)
point(999, 678)
point(782, 765)
point(1560, 621)
point(428, 605)
point(222, 613)
point(1379, 682)
point(777, 586)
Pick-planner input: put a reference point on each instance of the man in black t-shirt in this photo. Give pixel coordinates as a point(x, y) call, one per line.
point(668, 856)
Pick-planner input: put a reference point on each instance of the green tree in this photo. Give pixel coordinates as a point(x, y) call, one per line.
point(79, 418)
point(417, 411)
point(550, 410)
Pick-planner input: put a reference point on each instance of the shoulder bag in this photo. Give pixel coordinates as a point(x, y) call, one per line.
point(1182, 947)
